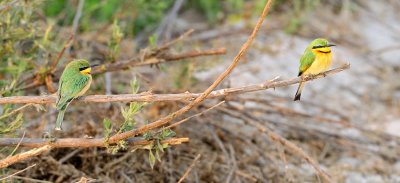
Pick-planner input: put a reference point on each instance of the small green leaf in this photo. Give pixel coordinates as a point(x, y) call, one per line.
point(168, 133)
point(158, 156)
point(107, 124)
point(148, 146)
point(165, 146)
point(159, 146)
point(135, 86)
point(153, 41)
point(152, 159)
point(124, 113)
point(147, 136)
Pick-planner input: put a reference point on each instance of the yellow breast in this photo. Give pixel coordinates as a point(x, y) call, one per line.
point(321, 63)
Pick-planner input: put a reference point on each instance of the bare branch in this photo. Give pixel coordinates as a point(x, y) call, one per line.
point(80, 142)
point(75, 23)
point(149, 97)
point(196, 115)
point(23, 156)
point(18, 172)
point(68, 44)
point(189, 169)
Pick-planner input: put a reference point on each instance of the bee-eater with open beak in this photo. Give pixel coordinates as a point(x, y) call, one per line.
point(316, 58)
point(74, 82)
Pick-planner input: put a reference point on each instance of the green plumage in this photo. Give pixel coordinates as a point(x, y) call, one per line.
point(73, 83)
point(306, 60)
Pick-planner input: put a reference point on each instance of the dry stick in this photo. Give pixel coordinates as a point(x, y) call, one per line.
point(196, 115)
point(19, 143)
point(61, 53)
point(77, 17)
point(157, 59)
point(23, 156)
point(204, 95)
point(164, 29)
point(18, 172)
point(80, 142)
point(190, 168)
point(180, 38)
point(149, 97)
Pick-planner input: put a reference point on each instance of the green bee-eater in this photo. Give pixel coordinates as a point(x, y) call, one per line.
point(74, 82)
point(316, 58)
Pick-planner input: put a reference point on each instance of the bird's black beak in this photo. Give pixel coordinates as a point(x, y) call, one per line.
point(94, 65)
point(330, 45)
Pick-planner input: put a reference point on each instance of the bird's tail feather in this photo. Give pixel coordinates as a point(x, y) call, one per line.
point(60, 119)
point(298, 93)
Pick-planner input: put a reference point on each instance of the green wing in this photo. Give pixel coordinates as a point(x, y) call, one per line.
point(69, 89)
point(306, 60)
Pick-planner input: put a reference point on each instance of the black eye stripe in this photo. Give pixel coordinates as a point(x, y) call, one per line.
point(315, 47)
point(83, 68)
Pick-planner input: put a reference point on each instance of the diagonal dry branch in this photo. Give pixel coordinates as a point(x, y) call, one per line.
point(149, 97)
point(204, 95)
point(23, 156)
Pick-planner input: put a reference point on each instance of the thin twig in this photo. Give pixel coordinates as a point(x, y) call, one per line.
point(157, 59)
point(81, 142)
point(196, 115)
point(190, 168)
point(61, 53)
point(77, 17)
point(163, 30)
point(15, 111)
point(180, 38)
point(149, 97)
point(19, 143)
point(18, 172)
point(23, 156)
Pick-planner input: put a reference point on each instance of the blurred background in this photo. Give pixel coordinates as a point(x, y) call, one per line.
point(349, 122)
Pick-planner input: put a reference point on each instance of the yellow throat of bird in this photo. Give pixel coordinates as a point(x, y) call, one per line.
point(86, 71)
point(321, 50)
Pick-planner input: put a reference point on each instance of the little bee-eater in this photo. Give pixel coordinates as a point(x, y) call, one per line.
point(74, 82)
point(316, 58)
